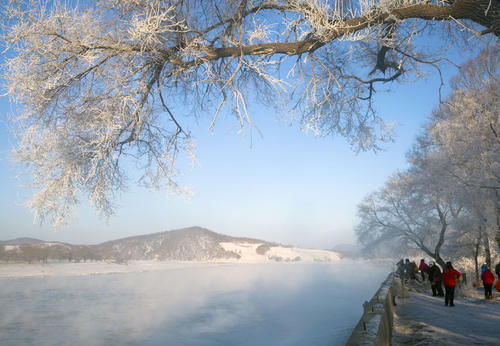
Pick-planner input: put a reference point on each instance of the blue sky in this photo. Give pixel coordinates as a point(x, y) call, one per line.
point(289, 187)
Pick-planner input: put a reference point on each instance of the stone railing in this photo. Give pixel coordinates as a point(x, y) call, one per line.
point(375, 326)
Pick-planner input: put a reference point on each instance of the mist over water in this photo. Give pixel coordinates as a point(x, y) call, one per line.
point(281, 304)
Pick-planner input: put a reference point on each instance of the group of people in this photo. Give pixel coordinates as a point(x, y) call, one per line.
point(407, 270)
point(448, 277)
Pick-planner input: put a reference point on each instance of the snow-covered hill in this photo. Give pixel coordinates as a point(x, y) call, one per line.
point(194, 244)
point(265, 252)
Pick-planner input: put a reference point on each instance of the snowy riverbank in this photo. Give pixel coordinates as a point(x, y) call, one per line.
point(22, 270)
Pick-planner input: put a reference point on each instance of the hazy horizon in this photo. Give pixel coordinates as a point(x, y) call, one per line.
point(170, 230)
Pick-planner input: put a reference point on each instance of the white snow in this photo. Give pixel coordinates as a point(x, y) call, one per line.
point(50, 244)
point(11, 247)
point(306, 255)
point(248, 253)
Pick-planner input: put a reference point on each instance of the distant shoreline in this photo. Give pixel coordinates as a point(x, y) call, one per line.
point(67, 269)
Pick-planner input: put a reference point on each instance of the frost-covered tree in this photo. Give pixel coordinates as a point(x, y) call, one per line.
point(408, 208)
point(466, 129)
point(474, 229)
point(478, 214)
point(104, 79)
point(453, 179)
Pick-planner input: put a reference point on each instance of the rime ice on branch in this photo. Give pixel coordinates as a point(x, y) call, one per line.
point(104, 80)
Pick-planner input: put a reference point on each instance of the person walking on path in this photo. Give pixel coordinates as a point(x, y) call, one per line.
point(409, 270)
point(488, 279)
point(483, 268)
point(435, 279)
point(415, 270)
point(449, 277)
point(497, 271)
point(424, 268)
point(401, 268)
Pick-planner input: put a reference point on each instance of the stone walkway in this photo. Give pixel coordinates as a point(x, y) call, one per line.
point(422, 319)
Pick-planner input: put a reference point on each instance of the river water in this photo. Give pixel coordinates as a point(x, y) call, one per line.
point(240, 304)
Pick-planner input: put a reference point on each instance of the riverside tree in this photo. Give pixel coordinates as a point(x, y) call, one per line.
point(102, 81)
point(466, 129)
point(408, 212)
point(451, 187)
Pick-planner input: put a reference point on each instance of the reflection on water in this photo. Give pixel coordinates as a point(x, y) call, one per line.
point(282, 304)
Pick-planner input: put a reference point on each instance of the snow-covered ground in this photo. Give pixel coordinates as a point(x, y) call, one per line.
point(247, 251)
point(423, 319)
point(249, 254)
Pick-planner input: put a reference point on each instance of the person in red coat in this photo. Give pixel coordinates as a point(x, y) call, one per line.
point(424, 268)
point(488, 279)
point(449, 277)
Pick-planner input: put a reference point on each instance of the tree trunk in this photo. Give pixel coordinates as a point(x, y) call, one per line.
point(487, 251)
point(444, 226)
point(434, 255)
point(476, 255)
point(440, 261)
point(497, 202)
